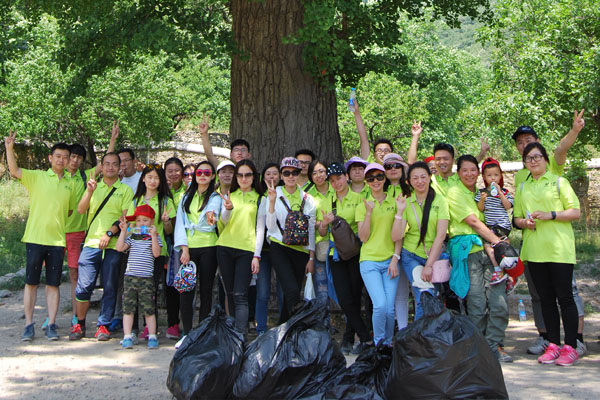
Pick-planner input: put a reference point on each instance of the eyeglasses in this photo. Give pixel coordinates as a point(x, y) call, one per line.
point(319, 172)
point(205, 172)
point(295, 172)
point(244, 176)
point(186, 174)
point(126, 159)
point(153, 166)
point(384, 151)
point(372, 178)
point(304, 162)
point(387, 167)
point(239, 150)
point(536, 158)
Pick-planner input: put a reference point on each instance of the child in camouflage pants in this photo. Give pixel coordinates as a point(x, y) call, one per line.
point(138, 286)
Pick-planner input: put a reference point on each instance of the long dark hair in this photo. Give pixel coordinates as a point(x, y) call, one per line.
point(191, 191)
point(404, 186)
point(164, 192)
point(255, 177)
point(428, 199)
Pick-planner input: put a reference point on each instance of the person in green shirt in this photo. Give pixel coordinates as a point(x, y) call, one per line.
point(545, 205)
point(395, 171)
point(237, 239)
point(99, 251)
point(345, 273)
point(486, 305)
point(420, 224)
point(355, 169)
point(44, 236)
point(305, 157)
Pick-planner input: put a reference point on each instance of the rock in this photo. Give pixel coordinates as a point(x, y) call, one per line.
point(21, 272)
point(5, 293)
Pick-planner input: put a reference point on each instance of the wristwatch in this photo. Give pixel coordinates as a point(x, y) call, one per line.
point(109, 234)
point(553, 214)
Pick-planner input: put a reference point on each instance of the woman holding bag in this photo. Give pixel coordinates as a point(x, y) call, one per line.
point(420, 224)
point(345, 272)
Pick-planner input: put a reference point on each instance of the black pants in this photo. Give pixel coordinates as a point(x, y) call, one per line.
point(289, 265)
point(205, 259)
point(348, 285)
point(553, 282)
point(172, 300)
point(236, 269)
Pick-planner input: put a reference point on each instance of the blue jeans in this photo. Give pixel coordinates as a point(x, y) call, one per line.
point(90, 263)
point(320, 281)
point(382, 290)
point(409, 262)
point(263, 293)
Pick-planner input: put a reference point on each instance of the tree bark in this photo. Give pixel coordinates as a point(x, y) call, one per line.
point(275, 105)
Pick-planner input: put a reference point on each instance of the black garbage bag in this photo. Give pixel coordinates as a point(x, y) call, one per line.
point(292, 360)
point(443, 356)
point(207, 363)
point(370, 369)
point(346, 392)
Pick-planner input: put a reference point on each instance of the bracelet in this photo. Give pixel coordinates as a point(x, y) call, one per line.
point(399, 218)
point(311, 259)
point(397, 256)
point(257, 257)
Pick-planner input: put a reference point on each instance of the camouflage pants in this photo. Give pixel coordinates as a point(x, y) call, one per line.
point(138, 291)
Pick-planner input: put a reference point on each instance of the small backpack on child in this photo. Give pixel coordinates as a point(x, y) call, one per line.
point(295, 230)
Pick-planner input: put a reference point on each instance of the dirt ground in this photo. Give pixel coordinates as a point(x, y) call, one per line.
point(75, 370)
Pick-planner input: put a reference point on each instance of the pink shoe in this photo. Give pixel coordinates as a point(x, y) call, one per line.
point(550, 355)
point(173, 332)
point(144, 335)
point(568, 356)
point(498, 277)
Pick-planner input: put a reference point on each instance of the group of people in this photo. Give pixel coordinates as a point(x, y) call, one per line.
point(404, 216)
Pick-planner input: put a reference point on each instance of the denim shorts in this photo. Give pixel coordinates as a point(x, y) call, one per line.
point(37, 255)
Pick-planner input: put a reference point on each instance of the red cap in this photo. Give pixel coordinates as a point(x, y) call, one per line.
point(491, 161)
point(429, 159)
point(144, 210)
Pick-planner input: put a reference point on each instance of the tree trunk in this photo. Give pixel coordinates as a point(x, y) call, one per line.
point(275, 105)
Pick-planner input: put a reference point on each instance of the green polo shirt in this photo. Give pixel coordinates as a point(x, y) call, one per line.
point(380, 246)
point(461, 204)
point(178, 194)
point(198, 239)
point(240, 230)
point(78, 222)
point(50, 200)
point(321, 201)
point(346, 208)
point(294, 201)
point(118, 203)
point(552, 241)
point(441, 186)
point(438, 210)
point(158, 222)
point(553, 167)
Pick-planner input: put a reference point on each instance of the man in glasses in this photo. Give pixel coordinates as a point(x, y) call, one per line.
point(129, 175)
point(240, 148)
point(522, 137)
point(305, 157)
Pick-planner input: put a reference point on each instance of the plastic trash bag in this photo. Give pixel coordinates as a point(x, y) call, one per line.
point(443, 356)
point(309, 288)
point(207, 363)
point(346, 392)
point(370, 369)
point(292, 360)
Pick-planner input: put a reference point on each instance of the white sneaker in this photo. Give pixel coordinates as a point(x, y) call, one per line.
point(539, 347)
point(581, 348)
point(134, 339)
point(179, 342)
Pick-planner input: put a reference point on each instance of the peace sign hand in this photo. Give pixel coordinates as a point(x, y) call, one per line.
point(578, 122)
point(327, 218)
point(91, 184)
point(10, 140)
point(115, 130)
point(203, 127)
point(123, 224)
point(165, 216)
point(210, 218)
point(271, 191)
point(485, 147)
point(227, 201)
point(401, 203)
point(416, 128)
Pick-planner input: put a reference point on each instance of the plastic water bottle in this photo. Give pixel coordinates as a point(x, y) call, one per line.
point(137, 230)
point(493, 189)
point(352, 99)
point(522, 315)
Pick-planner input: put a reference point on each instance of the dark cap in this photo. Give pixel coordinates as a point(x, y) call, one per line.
point(524, 130)
point(335, 168)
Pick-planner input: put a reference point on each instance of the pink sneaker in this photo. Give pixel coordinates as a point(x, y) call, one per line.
point(173, 332)
point(144, 335)
point(498, 277)
point(550, 355)
point(568, 356)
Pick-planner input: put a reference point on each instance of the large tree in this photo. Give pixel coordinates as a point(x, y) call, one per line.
point(286, 54)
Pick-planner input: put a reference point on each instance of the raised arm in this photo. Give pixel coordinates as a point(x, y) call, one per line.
point(485, 147)
point(11, 158)
point(365, 150)
point(414, 143)
point(203, 127)
point(560, 154)
point(84, 203)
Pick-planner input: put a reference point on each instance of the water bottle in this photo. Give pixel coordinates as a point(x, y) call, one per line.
point(522, 315)
point(493, 189)
point(352, 99)
point(137, 230)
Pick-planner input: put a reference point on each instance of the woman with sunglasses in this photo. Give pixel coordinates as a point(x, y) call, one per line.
point(291, 262)
point(426, 215)
point(188, 175)
point(321, 192)
point(379, 255)
point(345, 273)
point(545, 205)
point(237, 239)
point(262, 253)
point(196, 238)
point(154, 191)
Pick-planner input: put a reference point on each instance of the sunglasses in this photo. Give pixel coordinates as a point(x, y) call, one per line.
point(205, 172)
point(372, 178)
point(295, 172)
point(153, 166)
point(246, 175)
point(186, 174)
point(387, 167)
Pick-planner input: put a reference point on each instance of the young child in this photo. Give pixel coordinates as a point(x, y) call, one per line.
point(494, 201)
point(138, 286)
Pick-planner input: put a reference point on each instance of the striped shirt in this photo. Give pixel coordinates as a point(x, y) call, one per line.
point(141, 260)
point(494, 211)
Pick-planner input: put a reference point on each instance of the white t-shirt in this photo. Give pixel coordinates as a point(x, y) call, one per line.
point(132, 181)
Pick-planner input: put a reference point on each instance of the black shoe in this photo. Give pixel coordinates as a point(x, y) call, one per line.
point(346, 347)
point(360, 347)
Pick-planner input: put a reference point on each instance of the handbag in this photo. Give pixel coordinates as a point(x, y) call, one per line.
point(442, 267)
point(185, 279)
point(309, 288)
point(346, 242)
